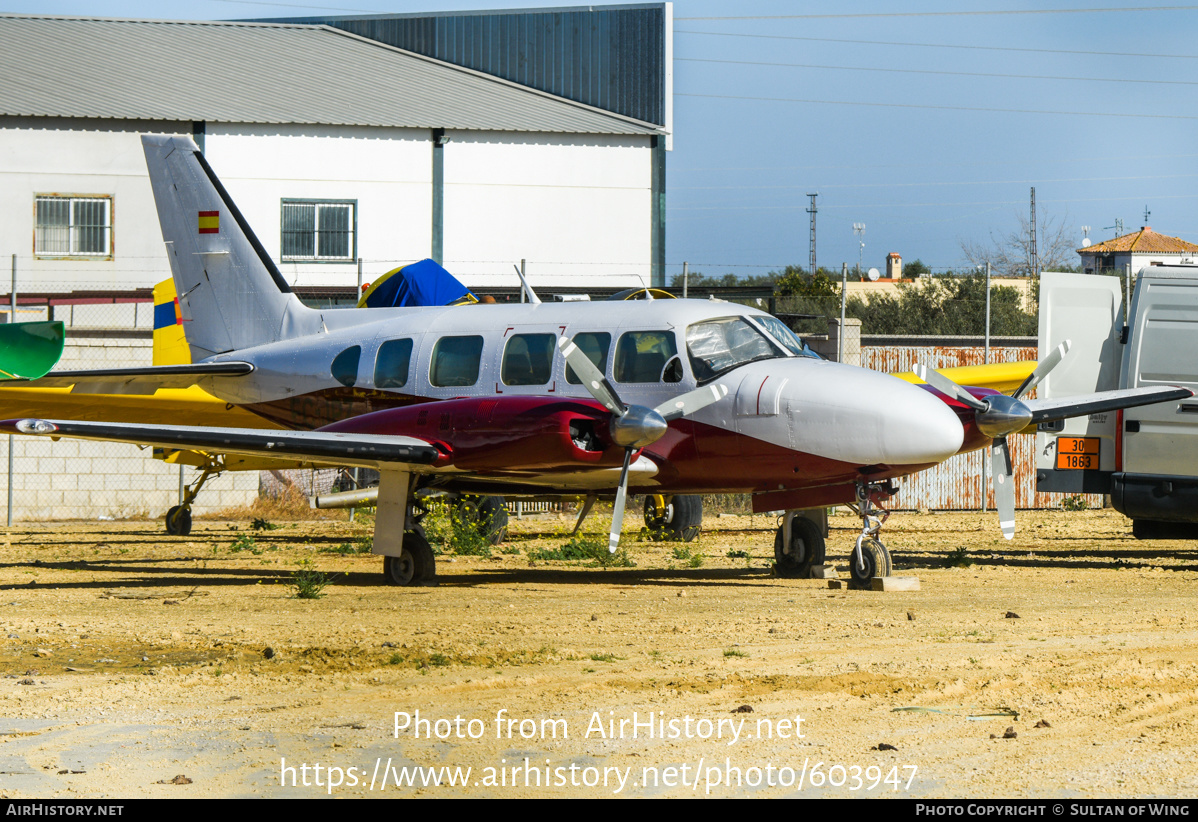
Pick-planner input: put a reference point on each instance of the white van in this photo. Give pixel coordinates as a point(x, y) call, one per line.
point(1146, 458)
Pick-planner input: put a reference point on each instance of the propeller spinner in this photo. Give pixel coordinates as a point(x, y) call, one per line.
point(632, 426)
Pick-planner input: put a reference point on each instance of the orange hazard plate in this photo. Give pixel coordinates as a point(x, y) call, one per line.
point(1077, 452)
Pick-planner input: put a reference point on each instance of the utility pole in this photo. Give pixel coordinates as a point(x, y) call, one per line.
point(813, 211)
point(1035, 258)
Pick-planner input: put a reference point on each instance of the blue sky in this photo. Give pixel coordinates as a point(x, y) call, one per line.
point(928, 123)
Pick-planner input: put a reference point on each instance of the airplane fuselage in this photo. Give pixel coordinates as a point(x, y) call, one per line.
point(789, 422)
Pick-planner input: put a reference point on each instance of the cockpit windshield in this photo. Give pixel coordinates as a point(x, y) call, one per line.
point(720, 345)
point(780, 332)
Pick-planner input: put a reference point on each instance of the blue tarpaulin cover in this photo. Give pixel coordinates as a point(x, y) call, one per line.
point(417, 284)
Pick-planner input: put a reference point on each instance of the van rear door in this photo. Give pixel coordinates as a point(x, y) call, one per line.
point(1077, 455)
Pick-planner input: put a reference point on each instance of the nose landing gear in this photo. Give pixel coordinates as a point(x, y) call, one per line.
point(870, 558)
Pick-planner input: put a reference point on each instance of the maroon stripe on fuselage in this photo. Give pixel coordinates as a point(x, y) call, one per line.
point(304, 412)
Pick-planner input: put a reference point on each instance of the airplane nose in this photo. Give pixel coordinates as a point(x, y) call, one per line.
point(869, 418)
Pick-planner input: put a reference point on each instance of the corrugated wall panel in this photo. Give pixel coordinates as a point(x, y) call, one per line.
point(956, 484)
point(612, 58)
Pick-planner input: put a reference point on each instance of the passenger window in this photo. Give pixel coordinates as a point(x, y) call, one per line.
point(595, 346)
point(456, 361)
point(641, 356)
point(391, 364)
point(345, 366)
point(528, 359)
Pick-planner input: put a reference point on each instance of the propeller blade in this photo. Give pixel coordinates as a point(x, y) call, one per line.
point(617, 510)
point(1004, 486)
point(947, 387)
point(592, 378)
point(691, 401)
point(1041, 371)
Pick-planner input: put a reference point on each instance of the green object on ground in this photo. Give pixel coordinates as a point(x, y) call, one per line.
point(30, 350)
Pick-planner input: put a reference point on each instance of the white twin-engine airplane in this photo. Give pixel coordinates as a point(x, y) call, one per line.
point(658, 397)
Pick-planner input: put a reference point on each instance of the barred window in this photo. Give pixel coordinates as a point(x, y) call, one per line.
point(319, 230)
point(66, 226)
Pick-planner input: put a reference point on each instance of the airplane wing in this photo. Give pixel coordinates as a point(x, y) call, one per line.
point(329, 448)
point(144, 380)
point(1002, 377)
point(1081, 405)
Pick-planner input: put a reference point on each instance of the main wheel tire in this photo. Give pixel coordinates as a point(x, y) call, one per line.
point(877, 562)
point(178, 521)
point(806, 549)
point(489, 514)
point(414, 565)
point(680, 521)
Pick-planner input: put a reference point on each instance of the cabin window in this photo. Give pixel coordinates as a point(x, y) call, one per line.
point(456, 361)
point(319, 231)
point(528, 359)
point(345, 366)
point(718, 346)
point(641, 356)
point(391, 364)
point(595, 346)
point(71, 226)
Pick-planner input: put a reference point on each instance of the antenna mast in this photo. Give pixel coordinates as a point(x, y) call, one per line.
point(813, 211)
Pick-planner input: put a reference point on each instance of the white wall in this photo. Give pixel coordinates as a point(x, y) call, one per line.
point(92, 158)
point(387, 170)
point(577, 207)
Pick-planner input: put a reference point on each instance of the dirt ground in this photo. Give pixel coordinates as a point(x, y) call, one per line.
point(1063, 664)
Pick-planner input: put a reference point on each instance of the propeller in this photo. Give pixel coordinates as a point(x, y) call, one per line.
point(997, 416)
point(632, 426)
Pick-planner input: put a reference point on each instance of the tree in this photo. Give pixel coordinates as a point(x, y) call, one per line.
point(944, 306)
point(916, 268)
point(795, 282)
point(1010, 254)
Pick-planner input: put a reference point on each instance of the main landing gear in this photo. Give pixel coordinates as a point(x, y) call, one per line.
point(178, 517)
point(870, 558)
point(677, 518)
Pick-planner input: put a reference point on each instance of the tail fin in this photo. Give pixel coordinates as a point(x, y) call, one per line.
point(231, 295)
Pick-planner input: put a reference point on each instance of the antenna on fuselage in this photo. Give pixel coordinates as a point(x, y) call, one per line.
point(528, 292)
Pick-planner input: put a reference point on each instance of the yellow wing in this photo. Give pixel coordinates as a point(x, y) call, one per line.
point(1004, 377)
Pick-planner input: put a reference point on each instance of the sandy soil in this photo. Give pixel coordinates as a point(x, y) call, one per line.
point(131, 658)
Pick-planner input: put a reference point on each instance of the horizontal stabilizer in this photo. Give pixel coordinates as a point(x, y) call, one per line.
point(1085, 404)
point(144, 380)
point(365, 450)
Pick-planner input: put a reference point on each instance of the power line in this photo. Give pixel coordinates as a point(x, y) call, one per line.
point(857, 166)
point(939, 108)
point(943, 73)
point(934, 45)
point(940, 183)
point(987, 13)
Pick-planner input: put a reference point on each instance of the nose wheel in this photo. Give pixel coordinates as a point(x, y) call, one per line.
point(870, 558)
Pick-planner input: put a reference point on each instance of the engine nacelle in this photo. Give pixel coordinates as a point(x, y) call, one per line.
point(514, 435)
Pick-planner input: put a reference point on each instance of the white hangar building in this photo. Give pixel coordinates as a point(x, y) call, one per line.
point(339, 145)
